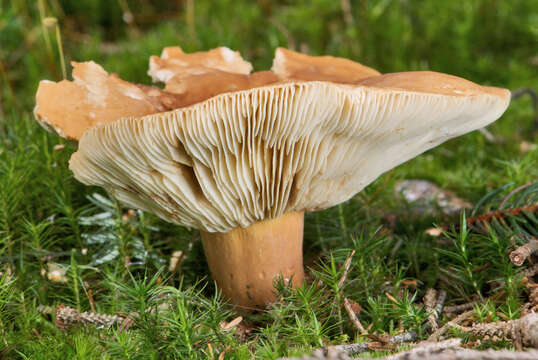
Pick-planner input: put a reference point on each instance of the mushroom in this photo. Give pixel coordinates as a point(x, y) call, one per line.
point(244, 159)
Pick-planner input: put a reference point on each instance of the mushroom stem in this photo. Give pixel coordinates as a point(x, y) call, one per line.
point(246, 261)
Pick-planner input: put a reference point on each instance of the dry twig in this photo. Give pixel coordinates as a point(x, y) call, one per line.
point(519, 255)
point(436, 310)
point(441, 331)
point(351, 349)
point(485, 218)
point(501, 214)
point(523, 331)
point(347, 265)
point(67, 316)
point(444, 350)
point(511, 193)
point(457, 309)
point(353, 317)
point(430, 304)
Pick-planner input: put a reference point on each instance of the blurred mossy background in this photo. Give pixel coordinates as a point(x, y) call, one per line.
point(106, 256)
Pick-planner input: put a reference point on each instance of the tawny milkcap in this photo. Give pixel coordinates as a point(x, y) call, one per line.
point(244, 155)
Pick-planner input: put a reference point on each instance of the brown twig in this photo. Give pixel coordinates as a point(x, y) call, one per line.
point(429, 300)
point(523, 331)
point(457, 309)
point(501, 214)
point(519, 255)
point(351, 349)
point(437, 310)
point(487, 218)
point(442, 330)
point(353, 316)
point(67, 316)
point(444, 350)
point(489, 136)
point(511, 193)
point(339, 353)
point(379, 189)
point(347, 266)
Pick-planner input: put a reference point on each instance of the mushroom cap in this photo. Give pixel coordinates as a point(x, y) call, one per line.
point(201, 75)
point(291, 65)
point(245, 156)
point(69, 108)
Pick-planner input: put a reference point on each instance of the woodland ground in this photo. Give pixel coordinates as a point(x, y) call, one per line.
point(116, 261)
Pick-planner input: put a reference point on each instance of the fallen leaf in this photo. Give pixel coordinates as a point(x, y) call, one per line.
point(228, 326)
point(434, 231)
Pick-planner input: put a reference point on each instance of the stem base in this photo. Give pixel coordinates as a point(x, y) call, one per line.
point(245, 261)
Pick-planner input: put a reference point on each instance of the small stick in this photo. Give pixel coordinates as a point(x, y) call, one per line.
point(429, 304)
point(521, 331)
point(499, 214)
point(423, 350)
point(50, 22)
point(426, 350)
point(456, 309)
point(67, 316)
point(437, 310)
point(486, 218)
point(442, 330)
point(351, 349)
point(519, 255)
point(353, 316)
point(511, 193)
point(347, 265)
point(489, 136)
point(444, 350)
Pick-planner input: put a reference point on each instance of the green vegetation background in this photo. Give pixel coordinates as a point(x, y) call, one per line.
point(120, 259)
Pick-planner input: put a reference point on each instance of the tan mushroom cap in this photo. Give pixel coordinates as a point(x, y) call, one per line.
point(201, 75)
point(94, 97)
point(245, 156)
point(174, 63)
point(291, 65)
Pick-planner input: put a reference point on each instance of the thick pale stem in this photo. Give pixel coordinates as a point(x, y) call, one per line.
point(246, 261)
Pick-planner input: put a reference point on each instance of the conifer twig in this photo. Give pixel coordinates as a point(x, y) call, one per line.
point(456, 309)
point(353, 317)
point(336, 352)
point(444, 350)
point(442, 330)
point(347, 265)
point(500, 214)
point(488, 217)
point(511, 193)
point(523, 331)
point(357, 348)
point(67, 316)
point(434, 304)
point(519, 255)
